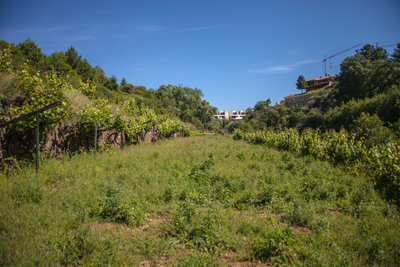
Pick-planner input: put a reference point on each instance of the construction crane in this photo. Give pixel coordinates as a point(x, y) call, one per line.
point(326, 58)
point(385, 45)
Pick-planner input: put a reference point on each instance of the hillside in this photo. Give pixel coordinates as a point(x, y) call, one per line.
point(181, 102)
point(190, 202)
point(363, 100)
point(124, 113)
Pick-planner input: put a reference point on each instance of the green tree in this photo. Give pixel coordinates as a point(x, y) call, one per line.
point(260, 105)
point(86, 71)
point(396, 54)
point(275, 117)
point(301, 83)
point(100, 75)
point(57, 61)
point(123, 81)
point(128, 88)
point(73, 59)
point(371, 53)
point(17, 59)
point(236, 124)
point(372, 129)
point(111, 83)
point(295, 119)
point(31, 51)
point(247, 128)
point(360, 78)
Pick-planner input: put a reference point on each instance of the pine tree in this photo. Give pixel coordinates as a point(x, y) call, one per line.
point(301, 83)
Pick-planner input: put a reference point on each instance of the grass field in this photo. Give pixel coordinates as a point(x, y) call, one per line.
point(199, 201)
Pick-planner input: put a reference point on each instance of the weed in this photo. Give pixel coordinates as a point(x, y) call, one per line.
point(194, 260)
point(241, 156)
point(197, 173)
point(275, 246)
point(26, 192)
point(113, 207)
point(169, 194)
point(198, 228)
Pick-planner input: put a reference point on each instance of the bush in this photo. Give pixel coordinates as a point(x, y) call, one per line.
point(237, 135)
point(299, 213)
point(113, 207)
point(198, 228)
point(275, 246)
point(371, 129)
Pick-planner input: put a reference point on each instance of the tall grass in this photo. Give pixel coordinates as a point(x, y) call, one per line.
point(193, 201)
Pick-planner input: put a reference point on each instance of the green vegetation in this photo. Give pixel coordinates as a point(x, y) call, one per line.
point(301, 83)
point(376, 164)
point(34, 92)
point(367, 86)
point(69, 71)
point(203, 200)
point(194, 201)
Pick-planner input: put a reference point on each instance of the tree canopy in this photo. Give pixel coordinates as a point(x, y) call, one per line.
point(371, 53)
point(73, 58)
point(301, 83)
point(260, 105)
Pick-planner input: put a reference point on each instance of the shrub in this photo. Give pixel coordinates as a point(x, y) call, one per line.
point(114, 207)
point(275, 246)
point(198, 228)
point(198, 172)
point(371, 129)
point(299, 213)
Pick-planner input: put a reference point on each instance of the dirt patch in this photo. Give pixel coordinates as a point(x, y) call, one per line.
point(264, 214)
point(247, 263)
point(160, 262)
point(335, 211)
point(152, 225)
point(232, 259)
point(298, 229)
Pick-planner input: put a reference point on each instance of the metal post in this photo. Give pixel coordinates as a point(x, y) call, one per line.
point(354, 153)
point(95, 140)
point(152, 133)
point(37, 143)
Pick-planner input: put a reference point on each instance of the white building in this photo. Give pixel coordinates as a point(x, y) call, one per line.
point(230, 114)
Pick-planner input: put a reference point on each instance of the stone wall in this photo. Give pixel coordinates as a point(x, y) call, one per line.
point(63, 140)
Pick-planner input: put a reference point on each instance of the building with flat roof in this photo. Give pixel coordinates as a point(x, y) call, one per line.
point(230, 114)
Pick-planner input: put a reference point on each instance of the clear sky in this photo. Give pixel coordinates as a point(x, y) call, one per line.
point(237, 52)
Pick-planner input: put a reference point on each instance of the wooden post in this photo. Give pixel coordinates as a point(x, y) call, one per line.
point(37, 143)
point(95, 140)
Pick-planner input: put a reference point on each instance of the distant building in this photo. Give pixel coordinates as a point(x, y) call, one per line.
point(230, 114)
point(316, 83)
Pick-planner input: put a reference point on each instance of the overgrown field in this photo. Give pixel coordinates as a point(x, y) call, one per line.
point(200, 201)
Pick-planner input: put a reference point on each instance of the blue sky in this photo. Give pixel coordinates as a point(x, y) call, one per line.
point(237, 52)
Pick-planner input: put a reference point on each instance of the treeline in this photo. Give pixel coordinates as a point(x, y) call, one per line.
point(181, 102)
point(365, 100)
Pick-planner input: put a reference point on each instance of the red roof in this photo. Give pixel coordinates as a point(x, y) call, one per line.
point(322, 78)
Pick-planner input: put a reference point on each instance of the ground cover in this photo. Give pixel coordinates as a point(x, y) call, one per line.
point(199, 201)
